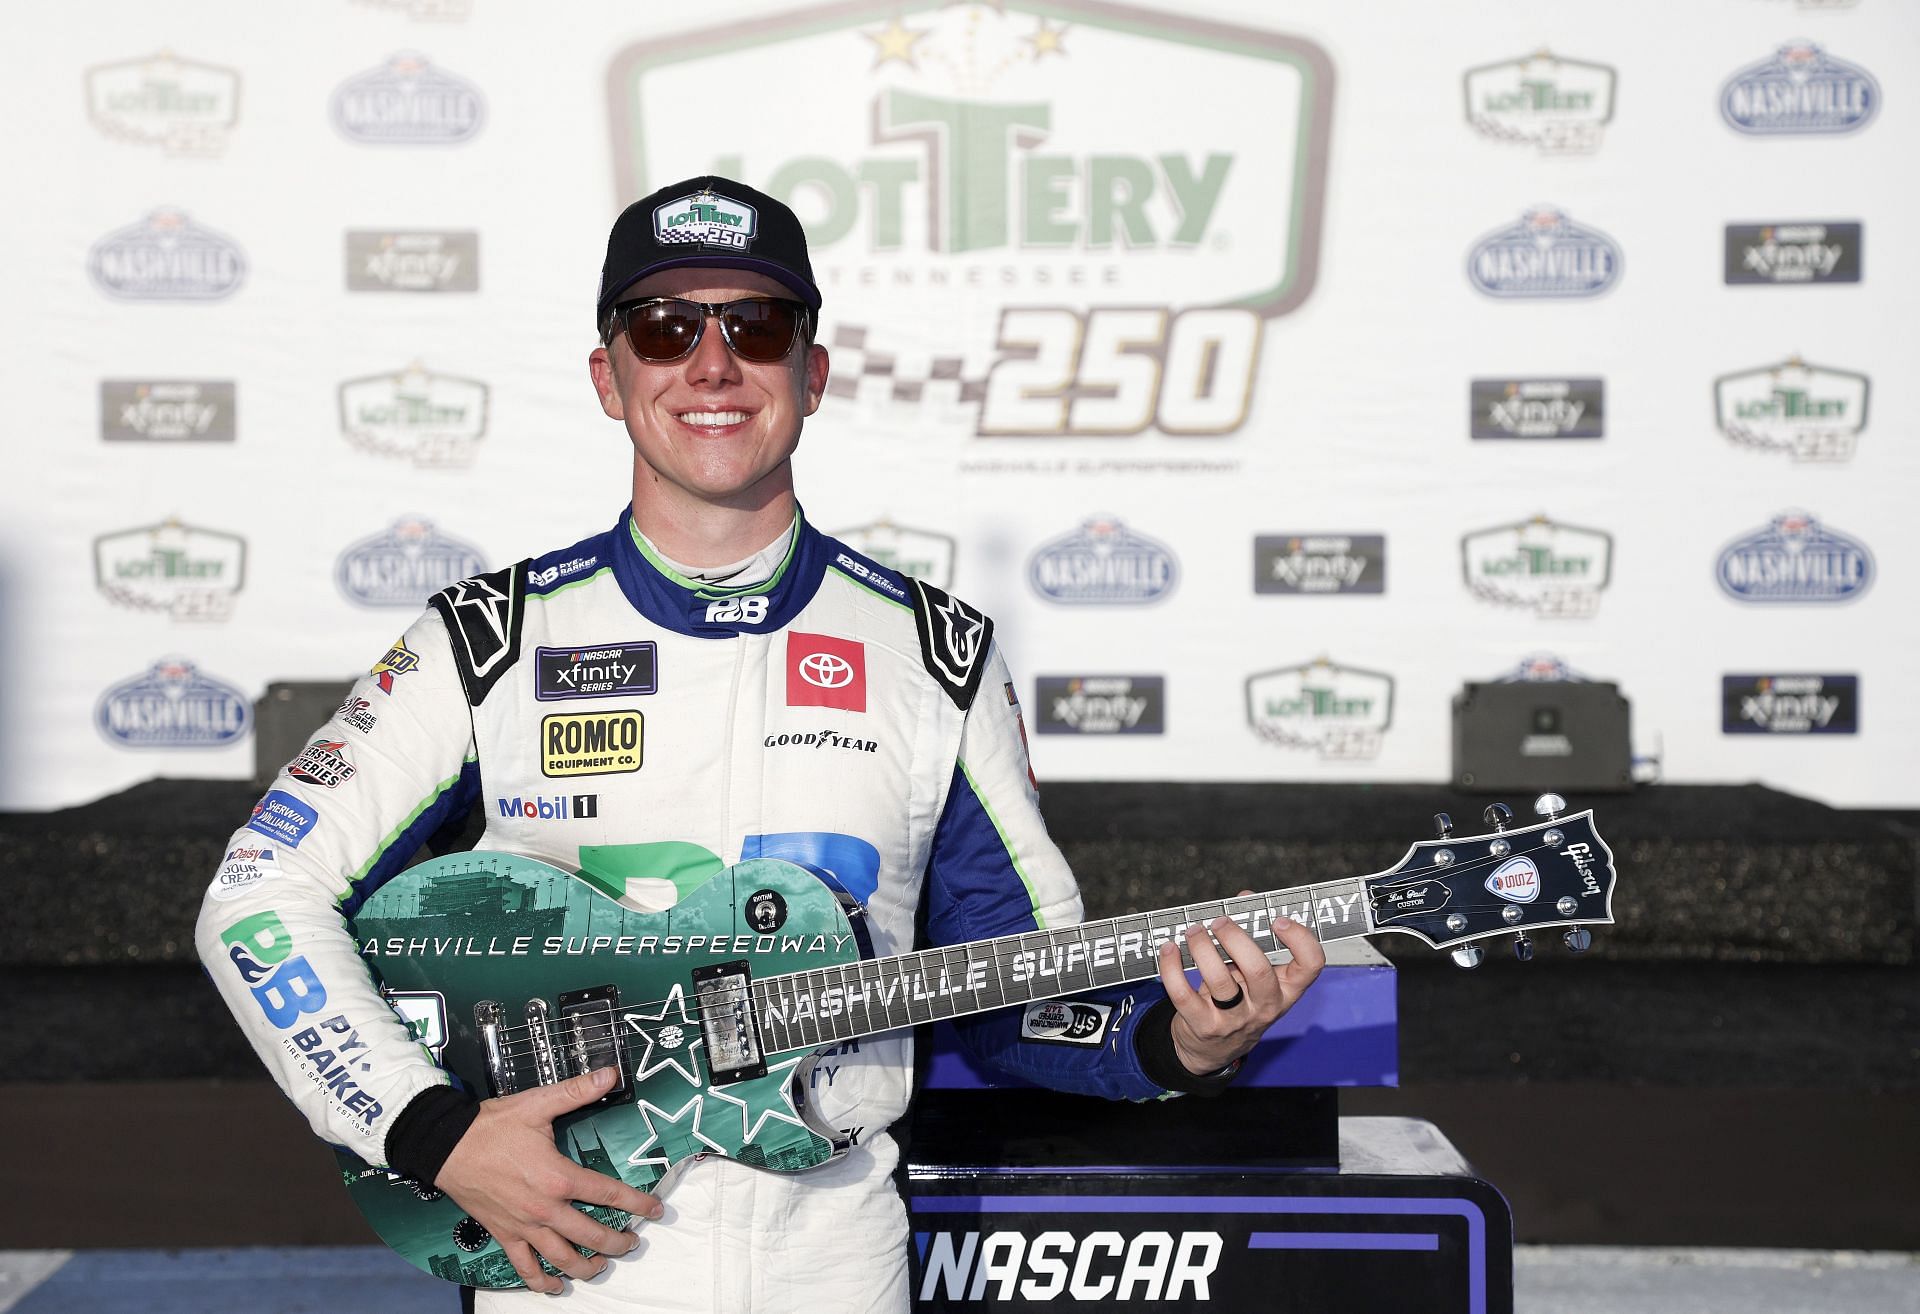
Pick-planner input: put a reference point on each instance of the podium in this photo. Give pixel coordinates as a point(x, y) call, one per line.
point(1260, 1199)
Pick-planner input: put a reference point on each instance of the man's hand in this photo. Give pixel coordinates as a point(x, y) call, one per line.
point(506, 1173)
point(1236, 1001)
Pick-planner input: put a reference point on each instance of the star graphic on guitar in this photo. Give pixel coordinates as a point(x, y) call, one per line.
point(766, 1098)
point(675, 1037)
point(649, 1111)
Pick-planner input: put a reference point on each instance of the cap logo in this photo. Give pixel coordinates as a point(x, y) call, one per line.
point(706, 219)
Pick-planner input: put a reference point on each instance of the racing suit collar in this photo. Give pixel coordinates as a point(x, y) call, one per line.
point(708, 611)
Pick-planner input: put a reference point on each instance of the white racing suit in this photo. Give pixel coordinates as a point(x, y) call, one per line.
point(838, 715)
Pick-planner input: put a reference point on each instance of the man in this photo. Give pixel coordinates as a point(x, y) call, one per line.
point(762, 637)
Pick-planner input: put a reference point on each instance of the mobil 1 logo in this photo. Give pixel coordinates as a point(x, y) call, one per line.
point(1320, 563)
point(1794, 253)
point(1538, 408)
point(1101, 704)
point(1790, 704)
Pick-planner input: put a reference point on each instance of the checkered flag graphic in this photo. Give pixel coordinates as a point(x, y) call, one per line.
point(865, 373)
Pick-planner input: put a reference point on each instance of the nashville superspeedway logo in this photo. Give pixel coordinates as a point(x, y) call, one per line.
point(1116, 262)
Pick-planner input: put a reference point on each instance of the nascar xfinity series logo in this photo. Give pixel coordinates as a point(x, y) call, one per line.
point(1800, 88)
point(1795, 559)
point(167, 257)
point(1561, 106)
point(172, 705)
point(408, 102)
point(1546, 254)
point(430, 419)
point(1342, 712)
point(413, 261)
point(979, 146)
point(1320, 563)
point(1790, 704)
point(1813, 412)
point(1103, 562)
point(183, 106)
point(1794, 253)
point(404, 565)
point(1101, 704)
point(1538, 408)
point(176, 410)
point(187, 572)
point(1551, 569)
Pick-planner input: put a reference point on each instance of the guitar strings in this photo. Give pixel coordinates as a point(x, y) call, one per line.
point(568, 1035)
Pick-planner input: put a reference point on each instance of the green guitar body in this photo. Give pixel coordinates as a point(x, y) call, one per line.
point(451, 934)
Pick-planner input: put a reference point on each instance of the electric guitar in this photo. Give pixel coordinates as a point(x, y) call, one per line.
point(706, 1010)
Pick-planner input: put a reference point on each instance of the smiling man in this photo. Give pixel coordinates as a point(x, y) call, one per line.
point(769, 693)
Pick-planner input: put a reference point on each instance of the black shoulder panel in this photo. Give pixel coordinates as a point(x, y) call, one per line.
point(484, 616)
point(954, 639)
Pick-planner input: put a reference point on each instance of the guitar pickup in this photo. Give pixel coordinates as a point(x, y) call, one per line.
point(727, 1023)
point(587, 1038)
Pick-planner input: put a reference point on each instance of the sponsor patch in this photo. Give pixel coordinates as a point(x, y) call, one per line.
point(549, 807)
point(484, 615)
point(404, 565)
point(186, 571)
point(706, 219)
point(323, 762)
point(1100, 704)
point(1795, 559)
point(408, 102)
point(1540, 565)
point(1343, 713)
point(241, 870)
point(591, 743)
point(1103, 563)
point(1065, 1022)
point(400, 660)
point(1516, 880)
point(831, 740)
point(1320, 563)
point(1537, 408)
point(1545, 254)
point(281, 816)
point(167, 411)
point(823, 671)
point(358, 713)
point(602, 670)
point(413, 261)
point(167, 257)
point(1799, 89)
point(173, 705)
point(553, 574)
point(1790, 704)
point(1794, 253)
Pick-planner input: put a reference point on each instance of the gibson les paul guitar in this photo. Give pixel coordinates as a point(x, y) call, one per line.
point(516, 974)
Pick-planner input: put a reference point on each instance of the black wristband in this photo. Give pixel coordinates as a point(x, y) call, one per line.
point(1153, 1044)
point(426, 1131)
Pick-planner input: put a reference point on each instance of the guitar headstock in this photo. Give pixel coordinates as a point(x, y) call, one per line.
point(1453, 890)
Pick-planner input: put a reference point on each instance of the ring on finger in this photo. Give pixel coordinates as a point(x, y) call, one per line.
point(1233, 1002)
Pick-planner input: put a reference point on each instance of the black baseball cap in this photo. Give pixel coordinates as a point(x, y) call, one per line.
point(706, 221)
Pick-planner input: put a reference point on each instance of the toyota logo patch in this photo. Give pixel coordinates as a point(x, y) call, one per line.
point(825, 671)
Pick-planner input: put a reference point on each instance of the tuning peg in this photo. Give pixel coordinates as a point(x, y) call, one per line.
point(1498, 815)
point(1578, 939)
point(1549, 806)
point(1523, 948)
point(1468, 956)
point(1443, 825)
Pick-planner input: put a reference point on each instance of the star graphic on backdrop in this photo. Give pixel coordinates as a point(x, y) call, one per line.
point(649, 1111)
point(766, 1098)
point(678, 1056)
point(895, 41)
point(1047, 41)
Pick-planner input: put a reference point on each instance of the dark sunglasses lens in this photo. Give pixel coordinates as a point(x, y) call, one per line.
point(761, 330)
point(664, 330)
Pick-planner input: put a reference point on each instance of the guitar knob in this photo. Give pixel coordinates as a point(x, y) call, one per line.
point(1523, 948)
point(1578, 940)
point(1468, 956)
point(1443, 825)
point(1498, 815)
point(1549, 806)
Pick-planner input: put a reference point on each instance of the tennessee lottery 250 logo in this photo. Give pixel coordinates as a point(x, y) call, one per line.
point(1022, 252)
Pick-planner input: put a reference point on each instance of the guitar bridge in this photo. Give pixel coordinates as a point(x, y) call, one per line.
point(727, 1022)
point(587, 1038)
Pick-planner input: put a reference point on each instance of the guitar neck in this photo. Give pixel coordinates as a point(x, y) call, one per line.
point(826, 1006)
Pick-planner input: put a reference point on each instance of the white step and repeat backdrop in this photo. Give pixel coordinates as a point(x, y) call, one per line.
point(1267, 370)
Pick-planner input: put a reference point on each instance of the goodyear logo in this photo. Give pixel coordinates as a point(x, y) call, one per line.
point(591, 743)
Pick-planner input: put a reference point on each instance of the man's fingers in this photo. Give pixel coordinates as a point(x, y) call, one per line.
point(1309, 956)
point(521, 1256)
point(584, 1230)
point(558, 1251)
point(1219, 979)
point(599, 1189)
point(574, 1092)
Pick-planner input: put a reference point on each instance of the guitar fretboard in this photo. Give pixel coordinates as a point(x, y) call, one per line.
point(825, 1006)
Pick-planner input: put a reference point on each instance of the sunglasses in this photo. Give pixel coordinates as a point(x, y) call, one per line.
point(661, 329)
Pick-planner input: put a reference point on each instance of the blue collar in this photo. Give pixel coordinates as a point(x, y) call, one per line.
point(706, 611)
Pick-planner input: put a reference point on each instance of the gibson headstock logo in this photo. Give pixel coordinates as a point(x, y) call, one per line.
point(1581, 855)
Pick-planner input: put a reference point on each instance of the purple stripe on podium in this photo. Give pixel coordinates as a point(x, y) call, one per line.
point(1344, 1241)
